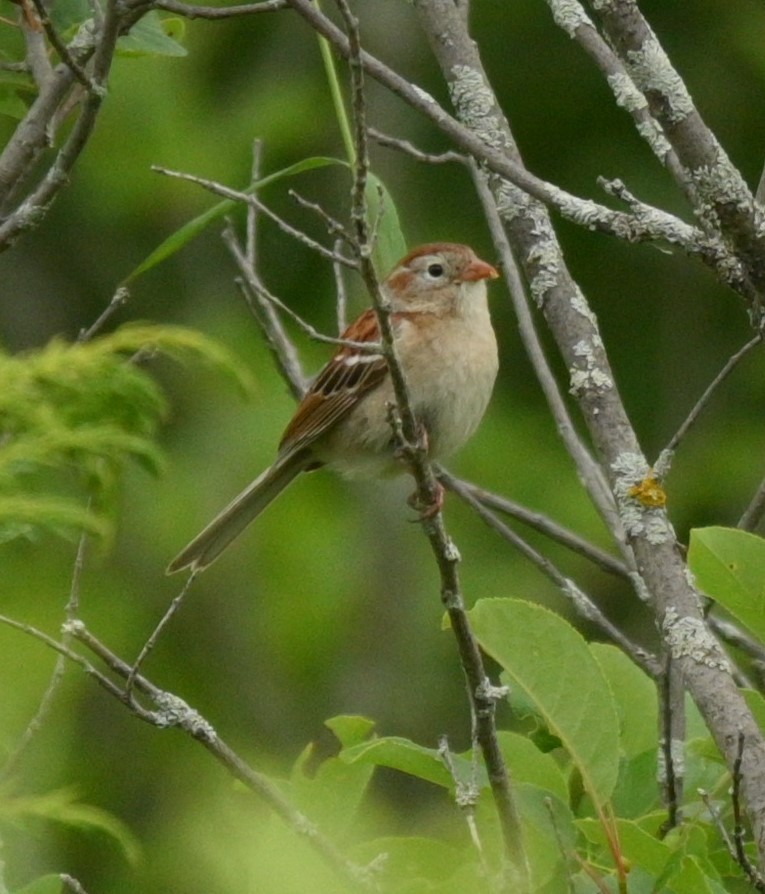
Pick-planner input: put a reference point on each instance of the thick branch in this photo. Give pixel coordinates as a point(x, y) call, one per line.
point(699, 656)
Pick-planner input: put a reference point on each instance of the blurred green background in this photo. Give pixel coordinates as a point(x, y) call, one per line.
point(330, 603)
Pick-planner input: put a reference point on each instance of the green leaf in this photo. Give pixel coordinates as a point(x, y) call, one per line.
point(46, 884)
point(638, 846)
point(330, 794)
point(415, 863)
point(64, 806)
point(632, 797)
point(197, 225)
point(635, 697)
point(408, 757)
point(552, 664)
point(756, 704)
point(729, 566)
point(690, 878)
point(153, 36)
point(529, 765)
point(350, 729)
point(389, 245)
point(84, 407)
point(21, 516)
point(11, 104)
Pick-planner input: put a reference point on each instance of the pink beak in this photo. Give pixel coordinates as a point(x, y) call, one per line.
point(478, 269)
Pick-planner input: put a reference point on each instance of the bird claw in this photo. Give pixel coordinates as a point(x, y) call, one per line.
point(431, 509)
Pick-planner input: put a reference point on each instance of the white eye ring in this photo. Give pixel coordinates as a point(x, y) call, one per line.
point(435, 270)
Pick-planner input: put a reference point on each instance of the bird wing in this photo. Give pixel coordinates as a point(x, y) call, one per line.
point(343, 382)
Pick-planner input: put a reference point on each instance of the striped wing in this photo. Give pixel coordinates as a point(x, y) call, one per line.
point(347, 377)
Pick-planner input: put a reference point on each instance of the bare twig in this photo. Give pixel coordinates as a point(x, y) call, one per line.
point(262, 305)
point(251, 238)
point(671, 742)
point(249, 199)
point(341, 302)
point(151, 642)
point(118, 300)
point(539, 522)
point(311, 332)
point(737, 637)
point(752, 515)
point(61, 48)
point(334, 227)
point(57, 676)
point(756, 879)
point(465, 795)
point(172, 711)
point(410, 149)
point(664, 460)
point(588, 469)
point(215, 13)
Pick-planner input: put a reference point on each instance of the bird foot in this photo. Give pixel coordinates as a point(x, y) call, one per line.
point(431, 509)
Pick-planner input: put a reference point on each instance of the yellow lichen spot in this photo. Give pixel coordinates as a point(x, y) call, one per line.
point(649, 492)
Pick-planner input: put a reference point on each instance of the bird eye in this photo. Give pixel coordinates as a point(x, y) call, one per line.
point(435, 270)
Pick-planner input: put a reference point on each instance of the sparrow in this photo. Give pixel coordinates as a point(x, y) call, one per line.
point(448, 354)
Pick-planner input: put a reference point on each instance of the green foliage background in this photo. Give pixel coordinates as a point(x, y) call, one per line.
point(329, 604)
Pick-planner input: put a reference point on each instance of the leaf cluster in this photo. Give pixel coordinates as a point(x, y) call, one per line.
point(81, 410)
point(584, 766)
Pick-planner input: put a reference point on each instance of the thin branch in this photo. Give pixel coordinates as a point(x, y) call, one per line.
point(172, 711)
point(539, 522)
point(151, 642)
point(251, 238)
point(61, 48)
point(584, 606)
point(735, 636)
point(334, 227)
point(248, 199)
point(572, 18)
point(752, 515)
point(662, 464)
point(57, 676)
point(466, 796)
point(440, 158)
point(118, 300)
point(590, 472)
point(658, 226)
point(262, 304)
point(412, 441)
point(755, 878)
point(672, 725)
point(216, 13)
point(341, 302)
point(311, 332)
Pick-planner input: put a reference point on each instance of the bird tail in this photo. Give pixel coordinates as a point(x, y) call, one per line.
point(231, 521)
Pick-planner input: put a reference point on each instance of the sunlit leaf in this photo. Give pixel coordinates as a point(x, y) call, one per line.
point(552, 663)
point(151, 36)
point(729, 566)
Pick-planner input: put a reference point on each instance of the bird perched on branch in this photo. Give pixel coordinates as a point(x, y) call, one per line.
point(448, 354)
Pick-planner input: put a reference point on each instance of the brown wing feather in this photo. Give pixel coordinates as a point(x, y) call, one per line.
point(339, 386)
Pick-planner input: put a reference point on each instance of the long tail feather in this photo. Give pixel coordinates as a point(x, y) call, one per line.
point(229, 524)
